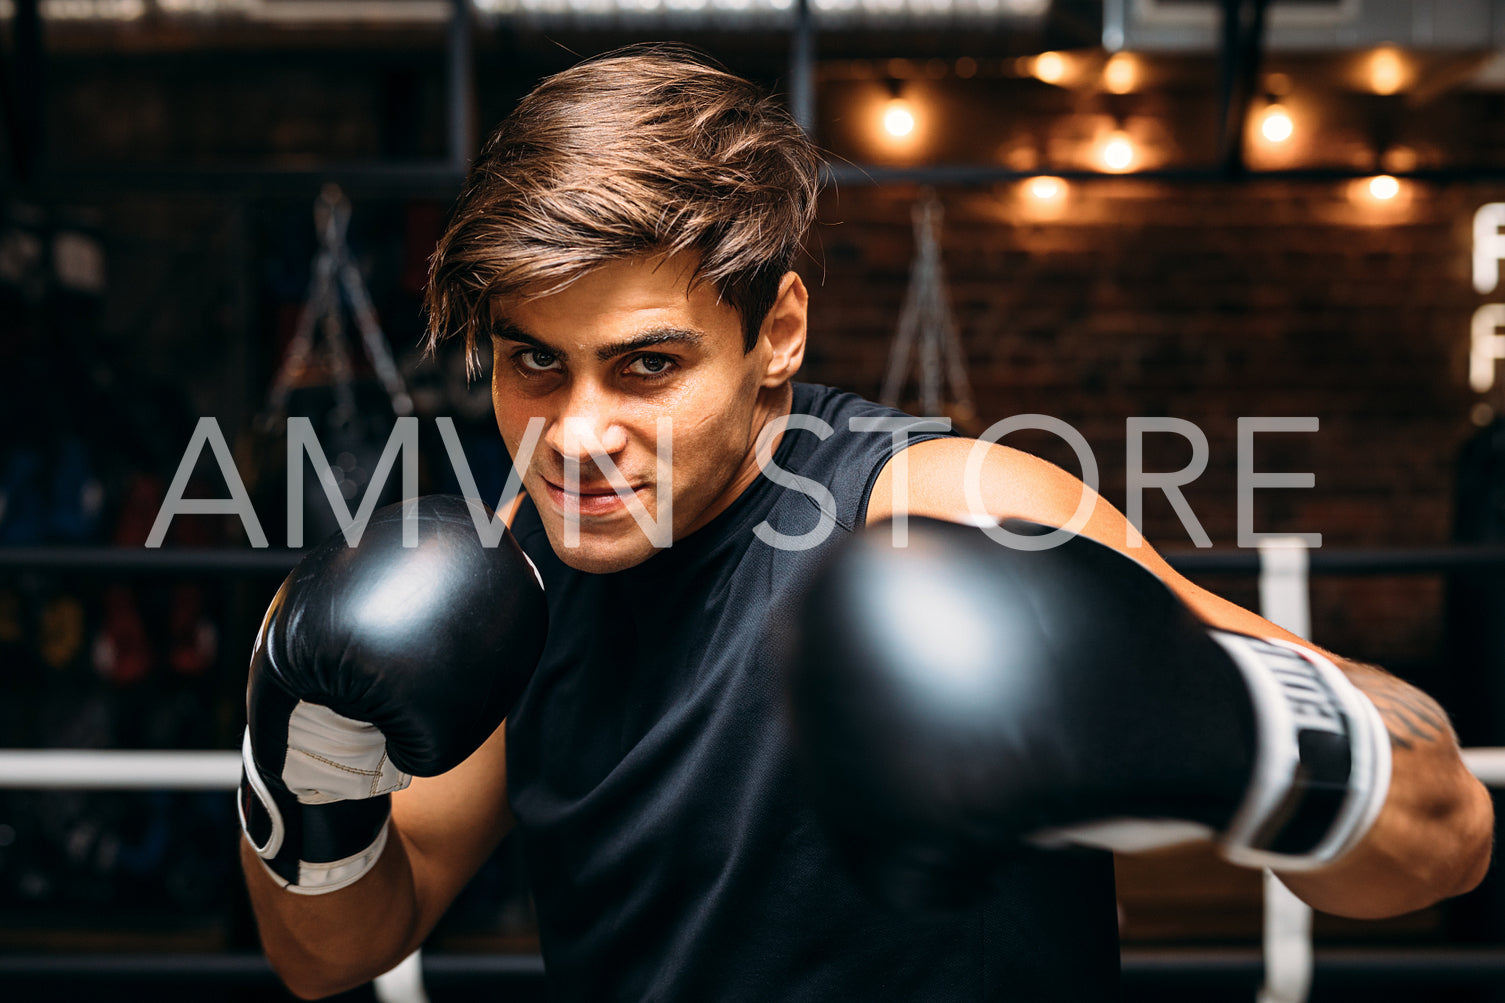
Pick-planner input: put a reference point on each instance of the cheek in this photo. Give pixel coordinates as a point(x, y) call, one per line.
point(512, 417)
point(718, 438)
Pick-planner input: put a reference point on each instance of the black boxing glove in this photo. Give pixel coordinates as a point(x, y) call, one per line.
point(958, 698)
point(376, 663)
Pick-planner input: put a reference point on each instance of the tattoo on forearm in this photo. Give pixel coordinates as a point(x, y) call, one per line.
point(1409, 714)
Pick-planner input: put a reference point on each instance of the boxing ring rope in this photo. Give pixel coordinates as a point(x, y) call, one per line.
point(108, 770)
point(1288, 960)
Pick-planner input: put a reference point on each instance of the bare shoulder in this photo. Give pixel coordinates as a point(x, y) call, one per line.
point(967, 480)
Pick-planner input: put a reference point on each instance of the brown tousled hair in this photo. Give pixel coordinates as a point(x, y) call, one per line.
point(646, 150)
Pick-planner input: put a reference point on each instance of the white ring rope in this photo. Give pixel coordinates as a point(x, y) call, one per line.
point(100, 769)
point(109, 770)
point(1486, 764)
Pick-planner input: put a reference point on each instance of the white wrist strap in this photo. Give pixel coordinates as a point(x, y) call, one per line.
point(313, 878)
point(1295, 689)
point(318, 879)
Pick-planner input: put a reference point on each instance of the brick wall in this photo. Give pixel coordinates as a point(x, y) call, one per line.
point(1206, 303)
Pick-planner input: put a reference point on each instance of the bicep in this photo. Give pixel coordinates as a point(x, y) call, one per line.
point(932, 478)
point(450, 824)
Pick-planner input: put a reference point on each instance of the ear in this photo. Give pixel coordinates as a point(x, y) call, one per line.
point(783, 332)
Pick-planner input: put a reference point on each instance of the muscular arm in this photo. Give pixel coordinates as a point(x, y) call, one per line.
point(443, 829)
point(1433, 837)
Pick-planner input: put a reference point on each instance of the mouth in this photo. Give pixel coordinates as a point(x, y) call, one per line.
point(595, 499)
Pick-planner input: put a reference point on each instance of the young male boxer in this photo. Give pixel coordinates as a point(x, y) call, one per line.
point(968, 712)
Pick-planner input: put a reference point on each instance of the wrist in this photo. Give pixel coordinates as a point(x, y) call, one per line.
point(309, 849)
point(1322, 766)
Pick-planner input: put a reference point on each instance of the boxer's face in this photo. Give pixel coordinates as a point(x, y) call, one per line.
point(602, 364)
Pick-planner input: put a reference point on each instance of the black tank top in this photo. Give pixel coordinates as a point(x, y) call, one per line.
point(670, 852)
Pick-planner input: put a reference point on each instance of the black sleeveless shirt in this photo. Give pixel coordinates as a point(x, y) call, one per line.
point(670, 852)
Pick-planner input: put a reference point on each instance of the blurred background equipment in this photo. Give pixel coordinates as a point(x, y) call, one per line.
point(351, 412)
point(927, 329)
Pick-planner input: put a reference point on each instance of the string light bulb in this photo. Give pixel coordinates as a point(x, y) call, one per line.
point(1387, 72)
point(1120, 73)
point(1050, 67)
point(1117, 152)
point(1042, 198)
point(1382, 194)
point(1384, 187)
point(1046, 189)
point(898, 118)
point(1275, 124)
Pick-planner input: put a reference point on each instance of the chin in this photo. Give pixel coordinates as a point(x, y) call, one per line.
point(600, 557)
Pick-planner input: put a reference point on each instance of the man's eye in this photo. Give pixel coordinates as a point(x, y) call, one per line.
point(650, 365)
point(537, 361)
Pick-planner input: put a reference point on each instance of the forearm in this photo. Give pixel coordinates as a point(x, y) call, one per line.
point(324, 944)
point(1433, 837)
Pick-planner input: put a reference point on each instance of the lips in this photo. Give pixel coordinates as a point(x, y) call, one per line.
point(592, 499)
point(602, 488)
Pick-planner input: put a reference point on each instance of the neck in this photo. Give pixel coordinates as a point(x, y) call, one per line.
point(772, 403)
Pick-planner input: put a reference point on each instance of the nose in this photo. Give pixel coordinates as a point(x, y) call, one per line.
point(588, 427)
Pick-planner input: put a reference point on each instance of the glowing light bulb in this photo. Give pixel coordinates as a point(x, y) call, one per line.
point(1118, 152)
point(1120, 73)
point(1384, 187)
point(1382, 193)
point(898, 118)
point(1387, 73)
point(1050, 67)
point(1276, 125)
point(1046, 189)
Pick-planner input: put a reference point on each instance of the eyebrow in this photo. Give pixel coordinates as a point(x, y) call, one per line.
point(650, 338)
